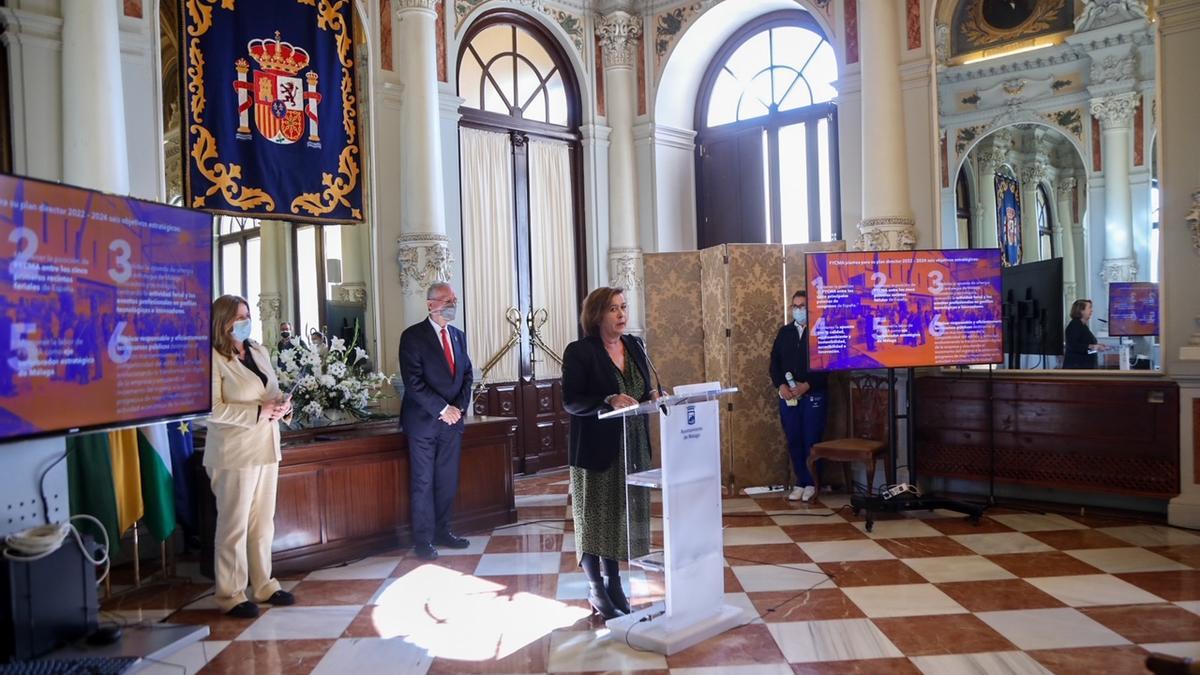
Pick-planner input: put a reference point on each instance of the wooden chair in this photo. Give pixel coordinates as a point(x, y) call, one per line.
point(867, 437)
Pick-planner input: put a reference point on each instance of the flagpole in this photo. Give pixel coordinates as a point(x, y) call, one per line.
point(162, 555)
point(137, 558)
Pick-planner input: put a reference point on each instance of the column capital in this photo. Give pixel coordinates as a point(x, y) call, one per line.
point(428, 7)
point(270, 313)
point(1115, 111)
point(423, 258)
point(353, 292)
point(1193, 221)
point(990, 159)
point(1119, 269)
point(1066, 187)
point(1034, 173)
point(1101, 13)
point(619, 34)
point(625, 268)
point(891, 233)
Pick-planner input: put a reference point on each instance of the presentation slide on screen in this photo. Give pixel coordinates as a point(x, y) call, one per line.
point(903, 309)
point(104, 309)
point(1132, 308)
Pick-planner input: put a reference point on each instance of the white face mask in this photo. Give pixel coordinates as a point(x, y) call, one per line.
point(449, 312)
point(241, 330)
point(800, 315)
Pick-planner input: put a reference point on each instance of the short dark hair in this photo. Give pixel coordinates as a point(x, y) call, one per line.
point(594, 307)
point(799, 294)
point(1079, 307)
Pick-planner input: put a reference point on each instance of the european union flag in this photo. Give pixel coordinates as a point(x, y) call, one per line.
point(272, 112)
point(179, 436)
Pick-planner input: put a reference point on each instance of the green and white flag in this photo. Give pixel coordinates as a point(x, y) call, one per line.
point(158, 493)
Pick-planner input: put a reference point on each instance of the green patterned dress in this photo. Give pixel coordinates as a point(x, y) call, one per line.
point(598, 498)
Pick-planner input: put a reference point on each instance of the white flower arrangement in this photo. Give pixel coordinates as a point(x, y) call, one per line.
point(335, 380)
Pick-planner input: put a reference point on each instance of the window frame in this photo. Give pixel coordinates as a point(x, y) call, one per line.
point(241, 238)
point(1042, 208)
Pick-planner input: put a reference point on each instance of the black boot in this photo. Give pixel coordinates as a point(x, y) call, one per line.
point(600, 602)
point(612, 585)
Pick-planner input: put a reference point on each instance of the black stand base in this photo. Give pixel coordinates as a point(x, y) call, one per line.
point(873, 504)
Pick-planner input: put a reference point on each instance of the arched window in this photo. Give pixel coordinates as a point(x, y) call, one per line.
point(1045, 225)
point(964, 211)
point(522, 225)
point(767, 136)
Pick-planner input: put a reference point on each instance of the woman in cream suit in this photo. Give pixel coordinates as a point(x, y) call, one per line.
point(241, 456)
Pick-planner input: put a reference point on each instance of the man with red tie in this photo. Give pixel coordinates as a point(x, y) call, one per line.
point(437, 389)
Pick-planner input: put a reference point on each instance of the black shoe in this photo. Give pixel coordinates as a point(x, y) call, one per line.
point(451, 540)
point(612, 585)
point(425, 551)
point(601, 603)
point(281, 598)
point(245, 610)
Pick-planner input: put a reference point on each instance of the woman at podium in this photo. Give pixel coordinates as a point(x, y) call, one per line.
point(1081, 344)
point(606, 370)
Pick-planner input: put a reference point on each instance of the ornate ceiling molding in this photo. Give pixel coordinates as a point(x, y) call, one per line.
point(1102, 13)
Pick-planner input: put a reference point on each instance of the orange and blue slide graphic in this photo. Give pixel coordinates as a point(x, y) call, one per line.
point(1132, 308)
point(904, 309)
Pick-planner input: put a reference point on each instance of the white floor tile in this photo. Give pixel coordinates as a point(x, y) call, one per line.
point(742, 601)
point(1184, 650)
point(762, 669)
point(1060, 628)
point(367, 568)
point(988, 663)
point(902, 600)
point(1035, 522)
point(1151, 535)
point(550, 527)
point(576, 651)
point(838, 640)
point(1126, 559)
point(1090, 590)
point(845, 551)
point(1192, 606)
point(752, 536)
point(998, 543)
point(191, 659)
point(527, 501)
point(958, 568)
point(301, 623)
point(790, 577)
point(496, 564)
point(374, 655)
point(898, 529)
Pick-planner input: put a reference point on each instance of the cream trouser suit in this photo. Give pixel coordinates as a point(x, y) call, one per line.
point(241, 456)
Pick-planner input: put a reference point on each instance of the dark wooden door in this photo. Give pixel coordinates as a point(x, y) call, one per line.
point(732, 197)
point(543, 424)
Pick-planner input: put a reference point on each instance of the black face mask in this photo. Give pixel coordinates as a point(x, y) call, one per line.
point(285, 335)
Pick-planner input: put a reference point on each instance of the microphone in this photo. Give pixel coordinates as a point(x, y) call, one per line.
point(1102, 320)
point(657, 381)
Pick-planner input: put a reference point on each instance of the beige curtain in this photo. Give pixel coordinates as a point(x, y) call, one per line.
point(552, 247)
point(489, 249)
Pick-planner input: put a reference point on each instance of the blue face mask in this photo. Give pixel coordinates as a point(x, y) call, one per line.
point(800, 316)
point(241, 330)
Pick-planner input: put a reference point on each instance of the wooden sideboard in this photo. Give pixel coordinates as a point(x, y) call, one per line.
point(1090, 435)
point(344, 491)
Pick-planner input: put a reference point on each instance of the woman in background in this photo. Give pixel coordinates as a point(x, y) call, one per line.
point(1081, 344)
point(602, 371)
point(241, 456)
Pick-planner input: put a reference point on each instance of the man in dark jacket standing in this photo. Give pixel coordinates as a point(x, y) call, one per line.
point(801, 394)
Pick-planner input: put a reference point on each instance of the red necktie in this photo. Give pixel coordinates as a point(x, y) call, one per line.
point(449, 352)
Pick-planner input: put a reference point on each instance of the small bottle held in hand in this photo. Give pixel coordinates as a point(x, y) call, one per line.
point(791, 381)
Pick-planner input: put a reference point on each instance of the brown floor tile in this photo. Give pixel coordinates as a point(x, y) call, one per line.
point(1149, 623)
point(530, 658)
point(1093, 660)
point(1108, 521)
point(1188, 555)
point(1173, 586)
point(569, 563)
point(1054, 564)
point(220, 627)
point(322, 593)
point(732, 585)
point(949, 634)
point(829, 532)
point(525, 513)
point(964, 526)
point(867, 667)
point(746, 645)
point(746, 520)
point(871, 573)
point(525, 543)
point(363, 625)
point(878, 516)
point(765, 554)
point(994, 596)
point(1071, 540)
point(160, 596)
point(545, 585)
point(815, 605)
point(924, 547)
point(294, 657)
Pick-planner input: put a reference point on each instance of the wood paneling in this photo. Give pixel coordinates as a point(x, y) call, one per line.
point(1089, 435)
point(1196, 440)
point(360, 498)
point(542, 424)
point(297, 524)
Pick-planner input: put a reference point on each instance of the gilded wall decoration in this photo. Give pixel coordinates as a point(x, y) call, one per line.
point(669, 25)
point(572, 24)
point(987, 24)
point(1069, 120)
point(964, 136)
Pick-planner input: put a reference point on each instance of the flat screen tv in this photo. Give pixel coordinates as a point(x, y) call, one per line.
point(104, 310)
point(904, 309)
point(1033, 308)
point(1132, 309)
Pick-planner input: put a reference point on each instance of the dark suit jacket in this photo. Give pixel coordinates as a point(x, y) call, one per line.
point(588, 378)
point(428, 385)
point(1078, 338)
point(790, 354)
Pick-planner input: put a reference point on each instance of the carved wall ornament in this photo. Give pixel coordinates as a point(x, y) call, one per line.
point(353, 293)
point(423, 259)
point(1101, 13)
point(270, 306)
point(891, 233)
point(405, 5)
point(1113, 68)
point(1014, 86)
point(619, 34)
point(1034, 173)
point(1066, 187)
point(964, 136)
point(1115, 111)
point(625, 268)
point(1069, 120)
point(941, 43)
point(1193, 221)
point(1119, 269)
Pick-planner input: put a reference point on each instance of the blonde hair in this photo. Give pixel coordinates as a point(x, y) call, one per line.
point(224, 313)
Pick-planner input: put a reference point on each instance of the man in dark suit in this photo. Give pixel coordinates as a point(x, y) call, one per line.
point(437, 389)
point(801, 394)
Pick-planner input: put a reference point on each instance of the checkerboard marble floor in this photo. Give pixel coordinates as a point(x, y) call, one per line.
point(922, 593)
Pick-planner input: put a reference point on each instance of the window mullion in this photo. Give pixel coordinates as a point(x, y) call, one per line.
point(775, 208)
point(813, 159)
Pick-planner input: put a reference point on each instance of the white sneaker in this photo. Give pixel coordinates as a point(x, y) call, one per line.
point(809, 493)
point(796, 494)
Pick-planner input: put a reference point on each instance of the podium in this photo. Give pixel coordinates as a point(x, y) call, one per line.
point(691, 561)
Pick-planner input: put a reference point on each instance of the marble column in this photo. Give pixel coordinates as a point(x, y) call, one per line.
point(423, 253)
point(1115, 113)
point(985, 182)
point(620, 34)
point(1063, 241)
point(93, 107)
point(354, 274)
point(887, 219)
point(273, 277)
point(1031, 176)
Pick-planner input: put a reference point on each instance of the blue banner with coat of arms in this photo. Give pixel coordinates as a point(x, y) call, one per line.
point(271, 123)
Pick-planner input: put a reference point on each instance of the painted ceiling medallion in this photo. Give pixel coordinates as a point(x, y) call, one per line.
point(990, 22)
